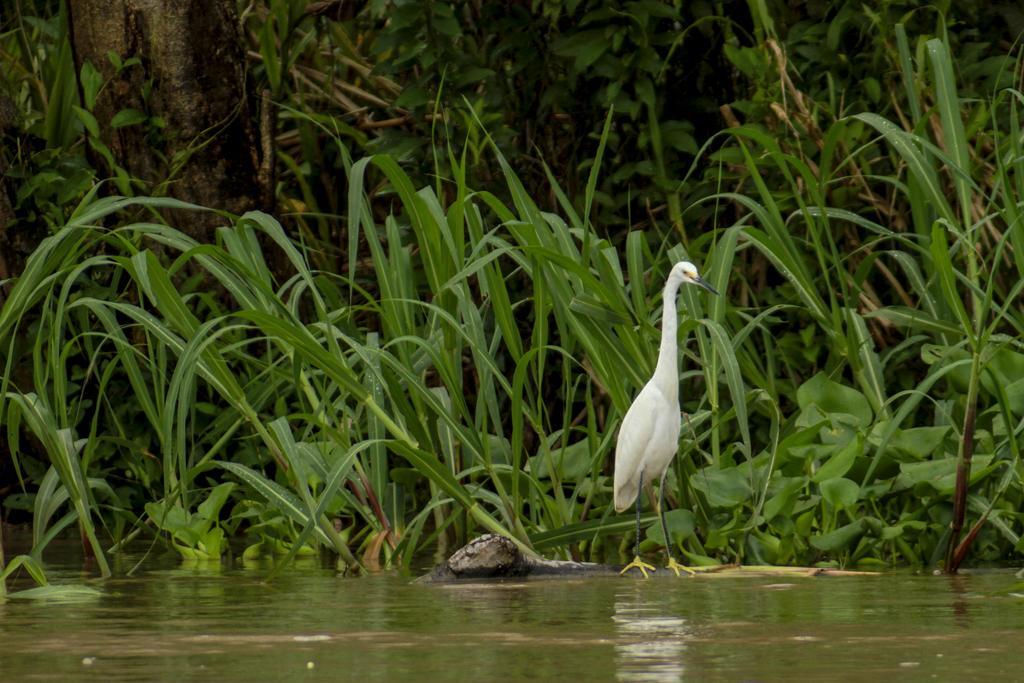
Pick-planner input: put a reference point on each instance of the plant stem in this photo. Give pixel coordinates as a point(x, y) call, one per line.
point(963, 471)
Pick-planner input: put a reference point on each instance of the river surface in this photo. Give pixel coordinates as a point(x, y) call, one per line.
point(168, 622)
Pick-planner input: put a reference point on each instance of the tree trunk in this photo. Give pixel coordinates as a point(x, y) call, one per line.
point(190, 75)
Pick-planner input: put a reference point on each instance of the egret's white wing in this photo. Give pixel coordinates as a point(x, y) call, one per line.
point(634, 437)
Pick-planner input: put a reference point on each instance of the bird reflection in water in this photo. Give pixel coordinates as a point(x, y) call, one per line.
point(650, 642)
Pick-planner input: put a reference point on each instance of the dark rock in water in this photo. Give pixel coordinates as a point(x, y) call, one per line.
point(488, 555)
point(493, 556)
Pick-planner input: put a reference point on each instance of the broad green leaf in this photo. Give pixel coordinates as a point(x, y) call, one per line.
point(832, 397)
point(940, 475)
point(840, 492)
point(841, 539)
point(919, 442)
point(841, 460)
point(681, 525)
point(723, 488)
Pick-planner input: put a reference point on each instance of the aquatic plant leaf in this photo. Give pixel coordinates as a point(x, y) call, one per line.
point(840, 539)
point(919, 442)
point(832, 397)
point(681, 525)
point(840, 492)
point(841, 460)
point(723, 488)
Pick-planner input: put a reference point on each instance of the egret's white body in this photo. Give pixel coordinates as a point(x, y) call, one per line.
point(649, 435)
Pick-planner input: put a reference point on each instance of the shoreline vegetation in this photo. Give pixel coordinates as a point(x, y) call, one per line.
point(422, 315)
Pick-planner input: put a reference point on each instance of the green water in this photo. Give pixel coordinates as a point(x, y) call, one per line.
point(168, 623)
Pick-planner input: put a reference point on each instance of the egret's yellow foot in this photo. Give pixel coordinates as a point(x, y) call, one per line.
point(676, 567)
point(637, 563)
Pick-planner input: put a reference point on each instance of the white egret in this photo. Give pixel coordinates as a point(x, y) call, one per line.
point(649, 435)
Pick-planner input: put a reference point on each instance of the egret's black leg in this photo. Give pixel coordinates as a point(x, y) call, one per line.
point(637, 562)
point(639, 496)
point(661, 514)
point(672, 564)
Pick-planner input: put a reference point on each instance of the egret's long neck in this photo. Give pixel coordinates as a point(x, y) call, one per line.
point(666, 373)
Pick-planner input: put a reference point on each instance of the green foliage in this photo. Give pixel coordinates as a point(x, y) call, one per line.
point(197, 536)
point(460, 329)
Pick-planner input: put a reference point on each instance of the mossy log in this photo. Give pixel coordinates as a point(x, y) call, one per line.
point(495, 557)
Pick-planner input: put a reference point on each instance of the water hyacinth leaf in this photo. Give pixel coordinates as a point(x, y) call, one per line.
point(954, 356)
point(571, 463)
point(210, 508)
point(832, 397)
point(725, 488)
point(840, 539)
point(896, 530)
point(681, 525)
point(803, 437)
point(919, 443)
point(841, 460)
point(937, 473)
point(1006, 368)
point(840, 492)
point(905, 409)
point(783, 496)
point(174, 520)
point(940, 475)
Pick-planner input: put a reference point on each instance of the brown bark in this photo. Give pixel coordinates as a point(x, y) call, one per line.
point(191, 55)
